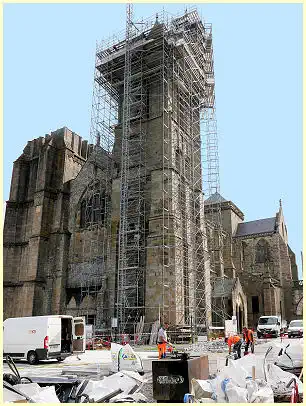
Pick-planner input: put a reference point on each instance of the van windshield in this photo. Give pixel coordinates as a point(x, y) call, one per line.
point(267, 320)
point(297, 323)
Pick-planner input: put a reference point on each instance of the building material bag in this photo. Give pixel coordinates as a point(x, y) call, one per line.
point(217, 394)
point(115, 348)
point(201, 388)
point(278, 380)
point(264, 394)
point(234, 393)
point(229, 373)
point(125, 358)
point(246, 364)
point(235, 372)
point(259, 391)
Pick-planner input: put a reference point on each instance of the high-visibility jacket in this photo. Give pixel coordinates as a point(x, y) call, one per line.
point(248, 336)
point(233, 340)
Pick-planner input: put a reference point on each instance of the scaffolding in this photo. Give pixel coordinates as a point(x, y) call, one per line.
point(211, 184)
point(92, 248)
point(131, 255)
point(154, 120)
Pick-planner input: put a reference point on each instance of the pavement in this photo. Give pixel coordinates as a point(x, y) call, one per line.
point(100, 360)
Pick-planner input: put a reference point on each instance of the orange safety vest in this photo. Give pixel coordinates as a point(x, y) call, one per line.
point(248, 335)
point(233, 340)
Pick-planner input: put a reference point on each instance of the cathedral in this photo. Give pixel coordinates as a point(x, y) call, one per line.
point(52, 261)
point(118, 230)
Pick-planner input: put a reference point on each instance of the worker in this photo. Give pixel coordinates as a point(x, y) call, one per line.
point(237, 342)
point(162, 341)
point(249, 339)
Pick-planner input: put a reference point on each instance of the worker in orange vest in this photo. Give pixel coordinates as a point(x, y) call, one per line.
point(162, 341)
point(249, 339)
point(236, 341)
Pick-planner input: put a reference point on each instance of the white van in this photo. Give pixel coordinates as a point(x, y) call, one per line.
point(43, 337)
point(269, 325)
point(295, 328)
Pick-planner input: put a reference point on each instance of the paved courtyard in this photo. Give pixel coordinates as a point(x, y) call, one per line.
point(100, 360)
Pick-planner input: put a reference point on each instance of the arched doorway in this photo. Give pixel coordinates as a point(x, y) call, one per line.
point(239, 318)
point(239, 314)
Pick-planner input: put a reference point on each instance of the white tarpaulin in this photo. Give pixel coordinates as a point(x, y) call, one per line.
point(278, 379)
point(33, 391)
point(291, 355)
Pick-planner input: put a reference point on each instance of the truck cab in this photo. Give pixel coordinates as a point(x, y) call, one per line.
point(269, 325)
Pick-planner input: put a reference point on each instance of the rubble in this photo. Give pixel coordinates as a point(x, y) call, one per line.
point(247, 380)
point(123, 386)
point(207, 346)
point(30, 392)
point(251, 379)
point(215, 346)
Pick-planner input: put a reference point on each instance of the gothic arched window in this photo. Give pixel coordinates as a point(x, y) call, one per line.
point(93, 205)
point(243, 251)
point(262, 251)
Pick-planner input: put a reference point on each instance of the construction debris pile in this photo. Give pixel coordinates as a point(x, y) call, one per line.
point(250, 379)
point(216, 346)
point(256, 378)
point(120, 387)
point(123, 385)
point(208, 346)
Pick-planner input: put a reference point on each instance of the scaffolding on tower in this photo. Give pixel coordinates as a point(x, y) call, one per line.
point(211, 183)
point(156, 79)
point(131, 255)
point(93, 250)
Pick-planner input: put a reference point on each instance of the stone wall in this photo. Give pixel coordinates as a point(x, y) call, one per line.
point(297, 299)
point(35, 228)
point(264, 279)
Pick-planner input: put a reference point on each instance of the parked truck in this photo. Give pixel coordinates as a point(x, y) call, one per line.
point(43, 337)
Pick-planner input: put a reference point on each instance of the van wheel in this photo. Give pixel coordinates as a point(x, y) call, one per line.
point(32, 357)
point(60, 359)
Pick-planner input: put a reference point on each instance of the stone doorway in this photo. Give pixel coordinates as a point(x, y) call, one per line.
point(240, 318)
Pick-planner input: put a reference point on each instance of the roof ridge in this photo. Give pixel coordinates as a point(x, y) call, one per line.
point(215, 198)
point(253, 221)
point(260, 226)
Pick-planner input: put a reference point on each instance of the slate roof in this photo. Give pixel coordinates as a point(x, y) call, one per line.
point(223, 288)
point(215, 198)
point(256, 227)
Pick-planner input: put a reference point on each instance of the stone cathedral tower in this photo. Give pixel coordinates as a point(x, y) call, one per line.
point(117, 229)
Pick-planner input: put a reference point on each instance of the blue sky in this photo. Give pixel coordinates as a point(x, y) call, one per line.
point(48, 76)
